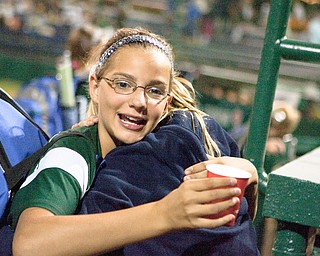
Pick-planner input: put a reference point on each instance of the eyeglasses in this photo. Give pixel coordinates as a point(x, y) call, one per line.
point(126, 87)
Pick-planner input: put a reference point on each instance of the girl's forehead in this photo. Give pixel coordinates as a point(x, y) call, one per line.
point(139, 55)
point(139, 40)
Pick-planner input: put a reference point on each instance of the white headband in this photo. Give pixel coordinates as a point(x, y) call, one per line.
point(129, 40)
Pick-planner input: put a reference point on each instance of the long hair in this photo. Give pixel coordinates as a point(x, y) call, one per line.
point(184, 98)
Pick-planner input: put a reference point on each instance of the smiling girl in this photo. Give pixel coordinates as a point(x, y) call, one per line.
point(130, 86)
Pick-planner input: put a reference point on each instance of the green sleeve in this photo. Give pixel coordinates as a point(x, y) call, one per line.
point(58, 181)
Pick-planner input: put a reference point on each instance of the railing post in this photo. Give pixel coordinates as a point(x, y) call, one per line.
point(292, 239)
point(264, 97)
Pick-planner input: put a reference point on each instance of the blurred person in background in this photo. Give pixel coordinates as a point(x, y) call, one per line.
point(313, 28)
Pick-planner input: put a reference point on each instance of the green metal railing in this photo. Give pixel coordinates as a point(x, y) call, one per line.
point(276, 47)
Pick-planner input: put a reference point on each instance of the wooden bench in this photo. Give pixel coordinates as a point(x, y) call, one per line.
point(293, 199)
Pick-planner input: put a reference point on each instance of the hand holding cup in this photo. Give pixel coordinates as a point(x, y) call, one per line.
point(222, 171)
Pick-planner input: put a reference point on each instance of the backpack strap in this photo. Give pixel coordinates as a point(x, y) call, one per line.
point(4, 96)
point(15, 175)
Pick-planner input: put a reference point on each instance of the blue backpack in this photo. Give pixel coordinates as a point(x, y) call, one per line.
point(22, 143)
point(20, 137)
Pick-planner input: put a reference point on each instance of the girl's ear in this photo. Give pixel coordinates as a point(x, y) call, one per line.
point(166, 108)
point(93, 89)
point(168, 102)
point(169, 99)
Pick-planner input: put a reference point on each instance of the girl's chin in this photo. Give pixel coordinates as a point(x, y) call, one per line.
point(131, 139)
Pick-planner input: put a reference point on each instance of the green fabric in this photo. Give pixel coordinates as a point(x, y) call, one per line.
point(54, 187)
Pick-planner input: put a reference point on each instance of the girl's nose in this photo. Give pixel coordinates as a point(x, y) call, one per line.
point(138, 98)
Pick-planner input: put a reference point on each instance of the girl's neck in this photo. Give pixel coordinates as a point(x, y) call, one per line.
point(106, 142)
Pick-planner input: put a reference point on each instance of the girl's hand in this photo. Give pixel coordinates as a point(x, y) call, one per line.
point(90, 121)
point(198, 171)
point(187, 206)
point(311, 1)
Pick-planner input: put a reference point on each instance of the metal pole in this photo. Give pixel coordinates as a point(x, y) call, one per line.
point(264, 97)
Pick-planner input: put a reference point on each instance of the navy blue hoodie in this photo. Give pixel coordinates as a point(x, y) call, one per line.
point(148, 170)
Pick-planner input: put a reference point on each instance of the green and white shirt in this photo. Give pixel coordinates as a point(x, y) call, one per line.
point(61, 177)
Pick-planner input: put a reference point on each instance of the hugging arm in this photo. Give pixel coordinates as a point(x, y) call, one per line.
point(148, 170)
point(40, 232)
point(145, 171)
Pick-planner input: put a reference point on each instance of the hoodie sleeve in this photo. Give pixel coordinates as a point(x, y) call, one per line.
point(145, 171)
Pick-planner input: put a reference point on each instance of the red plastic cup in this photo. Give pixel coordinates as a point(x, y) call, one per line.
point(223, 171)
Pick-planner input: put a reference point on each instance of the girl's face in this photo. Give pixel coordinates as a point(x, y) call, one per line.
point(128, 118)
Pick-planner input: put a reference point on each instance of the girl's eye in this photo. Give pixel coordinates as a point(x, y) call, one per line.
point(155, 91)
point(124, 85)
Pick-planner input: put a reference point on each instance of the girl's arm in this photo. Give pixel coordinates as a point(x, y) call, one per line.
point(251, 193)
point(89, 121)
point(39, 232)
point(311, 1)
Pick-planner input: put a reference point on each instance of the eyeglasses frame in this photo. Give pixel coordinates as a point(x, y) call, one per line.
point(110, 82)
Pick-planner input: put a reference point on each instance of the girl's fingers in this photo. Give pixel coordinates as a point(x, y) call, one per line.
point(209, 183)
point(195, 199)
point(196, 168)
point(217, 195)
point(214, 223)
point(202, 191)
point(202, 211)
point(94, 119)
point(199, 170)
point(90, 121)
point(214, 208)
point(198, 175)
point(200, 167)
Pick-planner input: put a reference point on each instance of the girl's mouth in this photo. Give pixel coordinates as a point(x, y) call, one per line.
point(129, 120)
